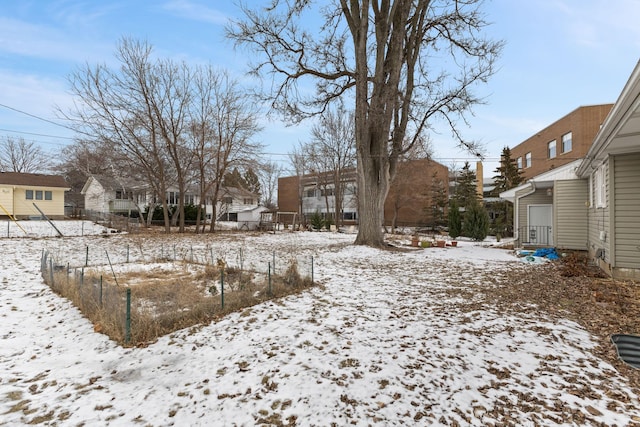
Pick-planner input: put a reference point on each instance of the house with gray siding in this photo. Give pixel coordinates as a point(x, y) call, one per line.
point(549, 209)
point(612, 170)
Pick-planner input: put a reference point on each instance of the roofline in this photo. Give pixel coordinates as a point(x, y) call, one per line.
point(623, 106)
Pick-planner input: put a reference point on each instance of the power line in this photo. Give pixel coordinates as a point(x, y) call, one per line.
point(37, 117)
point(37, 134)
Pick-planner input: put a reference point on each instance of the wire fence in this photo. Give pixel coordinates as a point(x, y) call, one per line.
point(136, 295)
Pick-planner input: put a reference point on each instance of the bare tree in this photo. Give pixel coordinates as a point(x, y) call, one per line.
point(333, 143)
point(19, 155)
point(299, 161)
point(223, 125)
point(268, 173)
point(399, 56)
point(138, 111)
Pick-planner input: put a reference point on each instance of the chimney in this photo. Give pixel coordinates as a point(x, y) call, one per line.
point(479, 180)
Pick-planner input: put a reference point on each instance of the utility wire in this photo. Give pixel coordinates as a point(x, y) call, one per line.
point(37, 117)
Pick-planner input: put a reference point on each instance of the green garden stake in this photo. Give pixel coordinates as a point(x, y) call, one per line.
point(312, 269)
point(101, 290)
point(51, 271)
point(192, 254)
point(82, 277)
point(127, 336)
point(86, 259)
point(127, 254)
point(222, 287)
point(269, 275)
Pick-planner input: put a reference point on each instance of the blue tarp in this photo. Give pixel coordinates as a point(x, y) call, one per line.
point(548, 253)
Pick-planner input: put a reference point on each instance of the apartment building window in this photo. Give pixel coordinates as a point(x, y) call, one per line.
point(527, 160)
point(567, 142)
point(519, 162)
point(551, 149)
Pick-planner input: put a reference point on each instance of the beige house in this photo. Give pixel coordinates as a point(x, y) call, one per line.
point(21, 194)
point(592, 203)
point(612, 170)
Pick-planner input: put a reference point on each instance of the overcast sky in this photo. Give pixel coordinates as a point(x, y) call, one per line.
point(559, 55)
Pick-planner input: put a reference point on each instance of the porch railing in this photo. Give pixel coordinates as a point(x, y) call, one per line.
point(535, 235)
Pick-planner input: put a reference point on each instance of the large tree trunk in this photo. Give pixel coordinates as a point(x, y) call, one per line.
point(373, 186)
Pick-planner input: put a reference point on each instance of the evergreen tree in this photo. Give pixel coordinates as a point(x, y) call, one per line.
point(234, 179)
point(455, 220)
point(466, 193)
point(476, 222)
point(439, 200)
point(252, 182)
point(508, 175)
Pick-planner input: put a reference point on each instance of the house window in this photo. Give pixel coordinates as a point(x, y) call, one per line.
point(172, 197)
point(599, 190)
point(566, 142)
point(327, 192)
point(349, 216)
point(189, 199)
point(119, 195)
point(48, 195)
point(227, 200)
point(29, 194)
point(519, 161)
point(248, 201)
point(527, 160)
point(38, 194)
point(551, 149)
point(311, 193)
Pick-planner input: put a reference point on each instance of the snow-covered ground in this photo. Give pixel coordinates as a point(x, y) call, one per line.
point(390, 338)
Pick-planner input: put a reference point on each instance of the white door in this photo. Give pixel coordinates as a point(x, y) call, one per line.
point(540, 222)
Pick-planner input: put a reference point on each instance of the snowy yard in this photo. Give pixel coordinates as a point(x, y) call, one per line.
point(390, 338)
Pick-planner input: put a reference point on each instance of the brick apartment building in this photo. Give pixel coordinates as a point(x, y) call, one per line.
point(562, 142)
point(408, 203)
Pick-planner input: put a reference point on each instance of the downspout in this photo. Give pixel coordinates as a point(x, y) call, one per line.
point(516, 207)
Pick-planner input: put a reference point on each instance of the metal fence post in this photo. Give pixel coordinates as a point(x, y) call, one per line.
point(127, 336)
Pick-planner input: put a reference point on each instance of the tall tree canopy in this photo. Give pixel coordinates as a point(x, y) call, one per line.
point(404, 62)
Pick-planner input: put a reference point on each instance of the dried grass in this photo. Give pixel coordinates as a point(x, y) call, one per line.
point(165, 300)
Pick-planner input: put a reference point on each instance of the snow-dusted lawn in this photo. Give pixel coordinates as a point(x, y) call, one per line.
point(391, 338)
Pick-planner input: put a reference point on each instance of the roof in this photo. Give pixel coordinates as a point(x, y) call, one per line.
point(32, 179)
point(546, 179)
point(620, 130)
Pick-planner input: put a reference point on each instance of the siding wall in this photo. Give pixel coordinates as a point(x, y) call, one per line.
point(52, 208)
point(626, 211)
point(95, 198)
point(570, 214)
point(538, 198)
point(599, 220)
point(6, 200)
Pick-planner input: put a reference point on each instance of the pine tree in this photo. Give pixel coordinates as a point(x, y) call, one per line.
point(439, 200)
point(455, 220)
point(252, 182)
point(476, 222)
point(234, 179)
point(508, 175)
point(466, 193)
